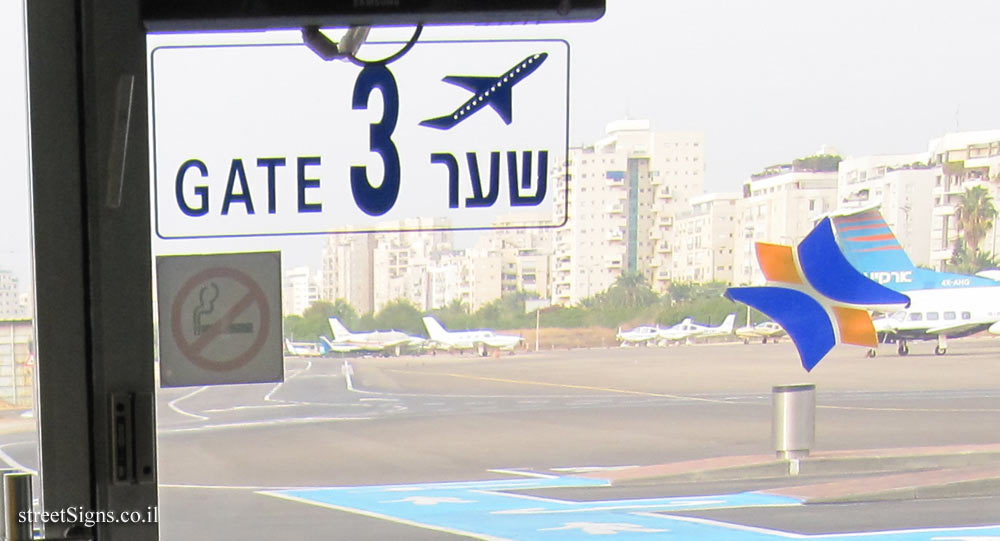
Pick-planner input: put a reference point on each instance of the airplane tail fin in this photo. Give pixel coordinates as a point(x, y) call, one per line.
point(728, 324)
point(435, 331)
point(340, 332)
point(870, 247)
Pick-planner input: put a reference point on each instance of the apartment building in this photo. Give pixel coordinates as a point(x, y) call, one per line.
point(348, 270)
point(300, 288)
point(12, 299)
point(960, 161)
point(902, 185)
point(706, 237)
point(624, 194)
point(780, 206)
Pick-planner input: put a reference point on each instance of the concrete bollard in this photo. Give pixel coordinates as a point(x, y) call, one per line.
point(17, 500)
point(793, 427)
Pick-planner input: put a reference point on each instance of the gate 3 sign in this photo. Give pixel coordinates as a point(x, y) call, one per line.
point(271, 139)
point(220, 319)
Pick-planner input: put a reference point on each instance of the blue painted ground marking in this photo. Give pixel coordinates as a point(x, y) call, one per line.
point(483, 509)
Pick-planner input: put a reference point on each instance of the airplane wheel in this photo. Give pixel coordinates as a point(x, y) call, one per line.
point(940, 350)
point(763, 340)
point(903, 349)
point(482, 351)
point(746, 340)
point(871, 353)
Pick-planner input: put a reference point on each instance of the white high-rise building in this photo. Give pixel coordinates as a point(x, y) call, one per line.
point(624, 193)
point(706, 237)
point(12, 305)
point(301, 289)
point(348, 262)
point(961, 161)
point(779, 206)
point(902, 186)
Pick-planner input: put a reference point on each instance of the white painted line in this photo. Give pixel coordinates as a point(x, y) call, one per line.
point(731, 526)
point(524, 473)
point(173, 404)
point(240, 408)
point(274, 389)
point(229, 487)
point(260, 424)
point(591, 469)
point(397, 520)
point(671, 506)
point(10, 460)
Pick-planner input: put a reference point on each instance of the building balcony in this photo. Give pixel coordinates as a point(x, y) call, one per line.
point(614, 236)
point(663, 247)
point(615, 208)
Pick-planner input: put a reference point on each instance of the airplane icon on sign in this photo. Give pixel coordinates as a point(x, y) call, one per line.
point(492, 91)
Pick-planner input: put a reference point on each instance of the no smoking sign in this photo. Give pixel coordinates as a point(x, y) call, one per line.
point(220, 319)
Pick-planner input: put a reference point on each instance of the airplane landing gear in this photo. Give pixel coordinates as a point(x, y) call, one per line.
point(871, 353)
point(942, 345)
point(903, 349)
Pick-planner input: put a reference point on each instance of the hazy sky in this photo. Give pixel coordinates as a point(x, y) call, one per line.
point(767, 81)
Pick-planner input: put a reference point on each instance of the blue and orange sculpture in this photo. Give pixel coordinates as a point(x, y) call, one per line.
point(816, 295)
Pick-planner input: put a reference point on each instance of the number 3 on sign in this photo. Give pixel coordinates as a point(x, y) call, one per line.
point(377, 201)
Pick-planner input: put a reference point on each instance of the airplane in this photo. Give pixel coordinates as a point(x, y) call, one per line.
point(388, 342)
point(305, 349)
point(942, 305)
point(480, 340)
point(638, 336)
point(725, 329)
point(681, 331)
point(492, 91)
point(768, 330)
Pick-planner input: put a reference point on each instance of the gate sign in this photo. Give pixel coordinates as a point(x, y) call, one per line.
point(273, 140)
point(220, 319)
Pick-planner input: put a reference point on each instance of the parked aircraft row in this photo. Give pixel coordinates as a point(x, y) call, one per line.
point(682, 332)
point(395, 343)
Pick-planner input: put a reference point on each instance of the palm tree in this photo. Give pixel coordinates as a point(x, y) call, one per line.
point(974, 214)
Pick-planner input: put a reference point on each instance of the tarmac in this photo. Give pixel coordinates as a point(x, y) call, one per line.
point(866, 475)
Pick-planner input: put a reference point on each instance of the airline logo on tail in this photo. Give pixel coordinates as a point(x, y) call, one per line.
point(816, 295)
point(872, 248)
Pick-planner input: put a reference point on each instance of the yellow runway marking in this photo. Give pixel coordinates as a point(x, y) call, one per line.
point(683, 397)
point(565, 386)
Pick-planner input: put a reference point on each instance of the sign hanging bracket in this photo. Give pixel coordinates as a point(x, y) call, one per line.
point(347, 48)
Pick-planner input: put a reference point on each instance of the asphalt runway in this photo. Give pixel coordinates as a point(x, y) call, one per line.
point(257, 461)
point(240, 462)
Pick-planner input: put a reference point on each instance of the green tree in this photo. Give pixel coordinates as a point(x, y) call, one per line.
point(455, 315)
point(314, 321)
point(974, 214)
point(964, 262)
point(400, 315)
